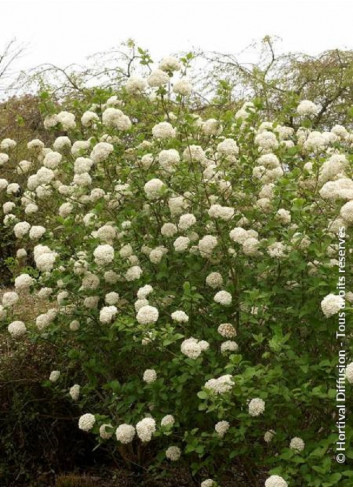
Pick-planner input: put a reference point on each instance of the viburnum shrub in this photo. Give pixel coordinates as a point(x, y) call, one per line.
point(190, 266)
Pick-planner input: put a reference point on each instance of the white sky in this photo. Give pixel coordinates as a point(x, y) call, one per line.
point(63, 32)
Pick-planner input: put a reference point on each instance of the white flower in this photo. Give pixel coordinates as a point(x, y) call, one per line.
point(186, 221)
point(145, 429)
point(17, 329)
point(163, 130)
point(307, 108)
point(251, 246)
point(23, 281)
point(168, 159)
point(194, 153)
point(349, 373)
point(125, 433)
point(276, 250)
point(266, 140)
point(61, 142)
point(191, 348)
point(173, 453)
point(4, 158)
point(347, 212)
point(332, 304)
point(149, 376)
point(105, 431)
point(51, 160)
point(111, 298)
point(211, 127)
point(180, 317)
point(101, 152)
point(74, 325)
point(228, 147)
point(220, 212)
point(214, 280)
point(227, 330)
point(297, 444)
point(116, 119)
point(229, 346)
point(54, 375)
point(75, 392)
point(182, 87)
point(89, 118)
point(21, 229)
point(135, 85)
point(208, 483)
point(147, 315)
point(157, 78)
point(206, 245)
point(268, 436)
point(67, 120)
point(144, 291)
point(86, 422)
point(133, 273)
point(275, 481)
point(107, 314)
point(220, 385)
point(153, 188)
point(35, 144)
point(36, 232)
point(170, 63)
point(103, 254)
point(7, 144)
point(221, 428)
point(168, 420)
point(256, 406)
point(9, 299)
point(223, 297)
point(181, 243)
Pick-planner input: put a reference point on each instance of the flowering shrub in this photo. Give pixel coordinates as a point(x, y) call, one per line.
point(190, 266)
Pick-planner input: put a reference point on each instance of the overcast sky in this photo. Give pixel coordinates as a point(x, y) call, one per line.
point(63, 32)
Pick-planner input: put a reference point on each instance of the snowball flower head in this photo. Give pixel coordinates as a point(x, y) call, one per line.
point(147, 315)
point(105, 431)
point(297, 444)
point(145, 429)
point(157, 78)
point(180, 317)
point(275, 481)
point(208, 483)
point(332, 304)
point(86, 422)
point(125, 433)
point(9, 299)
point(223, 297)
point(349, 373)
point(168, 420)
point(54, 375)
point(182, 87)
point(75, 392)
point(191, 348)
point(103, 254)
point(173, 453)
point(170, 63)
point(150, 376)
point(163, 130)
point(221, 428)
point(307, 108)
point(17, 329)
point(256, 406)
point(347, 212)
point(153, 188)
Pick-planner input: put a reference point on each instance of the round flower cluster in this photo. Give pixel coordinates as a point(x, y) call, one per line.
point(256, 406)
point(86, 422)
point(145, 429)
